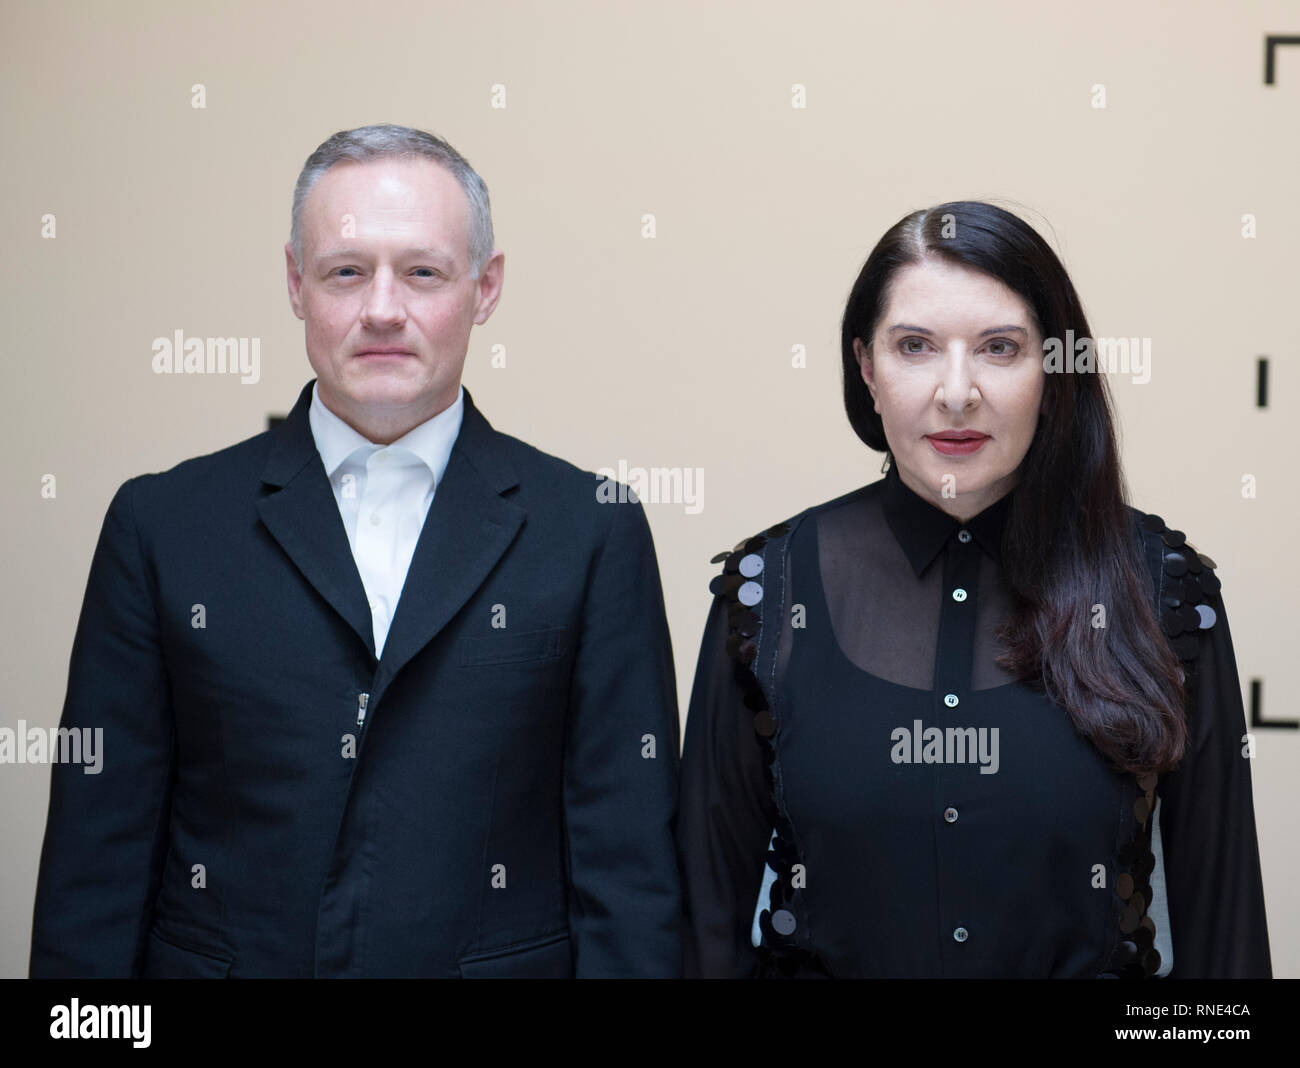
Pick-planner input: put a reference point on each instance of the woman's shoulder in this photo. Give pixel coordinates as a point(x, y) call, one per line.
point(781, 530)
point(1184, 582)
point(1169, 547)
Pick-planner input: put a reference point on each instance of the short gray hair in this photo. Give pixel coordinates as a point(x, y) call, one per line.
point(367, 143)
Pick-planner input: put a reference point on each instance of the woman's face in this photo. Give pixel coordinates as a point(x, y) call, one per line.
point(955, 351)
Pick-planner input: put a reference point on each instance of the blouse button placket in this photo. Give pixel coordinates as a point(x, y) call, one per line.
point(952, 679)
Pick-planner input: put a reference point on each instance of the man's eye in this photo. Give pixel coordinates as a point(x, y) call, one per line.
point(340, 270)
point(430, 272)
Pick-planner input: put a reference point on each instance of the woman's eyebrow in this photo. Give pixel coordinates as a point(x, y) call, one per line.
point(983, 333)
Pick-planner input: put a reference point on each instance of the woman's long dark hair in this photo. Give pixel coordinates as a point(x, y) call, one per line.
point(1070, 542)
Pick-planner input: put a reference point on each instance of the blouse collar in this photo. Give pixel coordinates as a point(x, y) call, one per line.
point(922, 529)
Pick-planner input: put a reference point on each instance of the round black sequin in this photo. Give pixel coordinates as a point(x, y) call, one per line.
point(783, 922)
point(1125, 953)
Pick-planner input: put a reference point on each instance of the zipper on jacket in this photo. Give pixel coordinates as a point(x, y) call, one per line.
point(362, 699)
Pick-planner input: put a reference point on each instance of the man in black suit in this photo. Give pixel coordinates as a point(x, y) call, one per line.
point(384, 692)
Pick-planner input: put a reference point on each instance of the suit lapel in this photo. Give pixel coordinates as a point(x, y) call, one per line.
point(468, 529)
point(303, 516)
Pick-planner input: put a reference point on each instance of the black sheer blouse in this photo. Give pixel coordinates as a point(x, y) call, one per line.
point(866, 793)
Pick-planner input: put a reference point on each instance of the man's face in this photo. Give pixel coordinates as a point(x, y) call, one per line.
point(386, 267)
point(955, 350)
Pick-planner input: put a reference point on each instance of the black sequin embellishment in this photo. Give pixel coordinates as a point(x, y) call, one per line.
point(785, 948)
point(1187, 582)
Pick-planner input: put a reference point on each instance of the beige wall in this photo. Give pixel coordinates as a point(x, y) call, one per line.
point(674, 351)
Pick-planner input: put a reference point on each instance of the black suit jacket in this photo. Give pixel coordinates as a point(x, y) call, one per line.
point(506, 808)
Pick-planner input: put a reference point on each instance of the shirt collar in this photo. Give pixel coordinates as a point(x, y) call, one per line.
point(431, 441)
point(923, 529)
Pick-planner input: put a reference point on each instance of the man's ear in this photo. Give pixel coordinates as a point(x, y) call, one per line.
point(294, 279)
point(490, 282)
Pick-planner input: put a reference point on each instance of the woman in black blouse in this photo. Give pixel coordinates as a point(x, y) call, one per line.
point(978, 718)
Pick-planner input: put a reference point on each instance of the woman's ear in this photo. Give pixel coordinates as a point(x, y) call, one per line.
point(862, 353)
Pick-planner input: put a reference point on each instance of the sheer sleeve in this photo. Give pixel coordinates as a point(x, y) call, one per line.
point(1207, 824)
point(725, 817)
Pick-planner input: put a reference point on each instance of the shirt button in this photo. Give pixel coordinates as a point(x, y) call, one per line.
point(959, 594)
point(963, 536)
point(950, 815)
point(961, 934)
point(951, 700)
point(375, 519)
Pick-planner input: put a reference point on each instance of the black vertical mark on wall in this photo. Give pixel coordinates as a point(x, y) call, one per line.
point(1270, 44)
point(1257, 716)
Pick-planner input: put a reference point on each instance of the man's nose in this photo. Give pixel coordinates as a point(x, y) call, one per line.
point(383, 304)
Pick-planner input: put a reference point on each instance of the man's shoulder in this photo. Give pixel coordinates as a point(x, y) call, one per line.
point(551, 481)
point(528, 461)
point(231, 465)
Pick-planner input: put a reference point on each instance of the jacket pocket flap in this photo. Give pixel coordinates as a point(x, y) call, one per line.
point(166, 961)
point(547, 958)
point(509, 647)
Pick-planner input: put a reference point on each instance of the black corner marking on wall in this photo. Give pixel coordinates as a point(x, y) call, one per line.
point(1270, 45)
point(1261, 382)
point(1257, 717)
point(273, 421)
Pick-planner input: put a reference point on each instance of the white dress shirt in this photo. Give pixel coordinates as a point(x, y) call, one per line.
point(383, 494)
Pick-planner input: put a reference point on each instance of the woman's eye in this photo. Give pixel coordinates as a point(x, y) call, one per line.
point(906, 346)
point(1002, 347)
